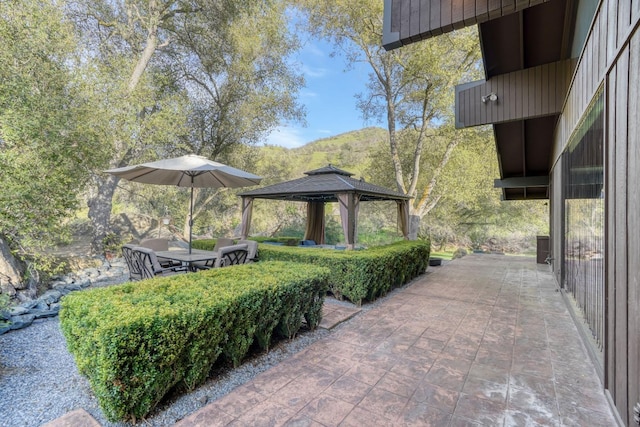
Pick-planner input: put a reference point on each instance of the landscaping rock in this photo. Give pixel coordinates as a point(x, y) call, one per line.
point(48, 304)
point(18, 310)
point(19, 322)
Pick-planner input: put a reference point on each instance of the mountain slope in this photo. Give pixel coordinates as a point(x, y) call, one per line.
point(348, 151)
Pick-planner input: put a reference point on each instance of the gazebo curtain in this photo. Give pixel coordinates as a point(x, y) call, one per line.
point(403, 217)
point(247, 209)
point(315, 222)
point(349, 206)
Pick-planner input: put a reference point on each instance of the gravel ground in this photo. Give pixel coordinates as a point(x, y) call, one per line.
point(39, 380)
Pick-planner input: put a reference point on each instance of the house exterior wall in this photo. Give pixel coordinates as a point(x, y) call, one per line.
point(609, 64)
point(611, 60)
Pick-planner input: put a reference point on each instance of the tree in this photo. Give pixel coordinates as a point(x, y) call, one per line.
point(410, 88)
point(46, 151)
point(220, 63)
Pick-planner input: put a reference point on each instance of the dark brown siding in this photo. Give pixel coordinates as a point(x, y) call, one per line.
point(415, 20)
point(612, 57)
point(534, 92)
point(634, 221)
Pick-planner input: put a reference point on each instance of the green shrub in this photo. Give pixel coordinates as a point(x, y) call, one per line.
point(362, 275)
point(137, 341)
point(209, 244)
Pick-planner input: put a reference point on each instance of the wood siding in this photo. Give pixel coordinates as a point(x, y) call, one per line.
point(543, 88)
point(413, 20)
point(611, 57)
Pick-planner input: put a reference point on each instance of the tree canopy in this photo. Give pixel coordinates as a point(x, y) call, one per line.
point(46, 148)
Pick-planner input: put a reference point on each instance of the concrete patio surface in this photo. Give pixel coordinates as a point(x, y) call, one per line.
point(483, 340)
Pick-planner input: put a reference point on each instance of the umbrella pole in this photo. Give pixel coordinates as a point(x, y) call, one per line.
point(191, 217)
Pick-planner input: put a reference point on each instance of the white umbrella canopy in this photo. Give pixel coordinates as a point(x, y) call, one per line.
point(187, 171)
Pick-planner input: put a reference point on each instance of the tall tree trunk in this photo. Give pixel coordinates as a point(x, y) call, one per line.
point(101, 202)
point(100, 205)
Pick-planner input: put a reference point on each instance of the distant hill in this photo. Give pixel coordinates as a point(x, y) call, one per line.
point(348, 151)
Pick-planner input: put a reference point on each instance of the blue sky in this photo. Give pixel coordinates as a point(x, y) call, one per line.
point(329, 97)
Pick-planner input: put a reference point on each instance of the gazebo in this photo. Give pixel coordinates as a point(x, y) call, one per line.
point(327, 184)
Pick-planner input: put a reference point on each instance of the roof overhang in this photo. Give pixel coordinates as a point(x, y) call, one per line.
point(526, 56)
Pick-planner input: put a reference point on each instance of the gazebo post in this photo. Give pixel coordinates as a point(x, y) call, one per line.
point(247, 210)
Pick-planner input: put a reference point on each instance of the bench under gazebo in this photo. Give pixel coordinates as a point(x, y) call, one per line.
point(327, 184)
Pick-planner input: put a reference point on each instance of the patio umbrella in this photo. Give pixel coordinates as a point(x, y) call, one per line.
point(187, 171)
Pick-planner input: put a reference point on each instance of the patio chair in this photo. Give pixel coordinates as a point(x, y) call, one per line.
point(159, 244)
point(132, 262)
point(252, 249)
point(231, 255)
point(149, 265)
point(220, 243)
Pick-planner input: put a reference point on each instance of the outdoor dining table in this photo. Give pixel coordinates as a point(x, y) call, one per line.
point(186, 258)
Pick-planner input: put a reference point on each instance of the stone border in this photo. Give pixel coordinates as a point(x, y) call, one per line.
point(48, 304)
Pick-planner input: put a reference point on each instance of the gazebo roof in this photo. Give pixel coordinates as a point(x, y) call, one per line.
point(324, 184)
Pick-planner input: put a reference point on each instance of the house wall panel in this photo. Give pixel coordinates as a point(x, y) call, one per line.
point(620, 255)
point(470, 10)
point(441, 16)
point(424, 17)
point(624, 20)
point(534, 92)
point(612, 29)
point(611, 230)
point(633, 221)
point(481, 12)
point(434, 21)
point(457, 12)
point(446, 9)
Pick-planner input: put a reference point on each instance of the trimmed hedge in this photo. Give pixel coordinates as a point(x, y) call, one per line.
point(361, 275)
point(209, 244)
point(137, 341)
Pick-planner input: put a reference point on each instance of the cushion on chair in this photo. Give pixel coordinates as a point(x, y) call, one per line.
point(231, 255)
point(252, 249)
point(155, 244)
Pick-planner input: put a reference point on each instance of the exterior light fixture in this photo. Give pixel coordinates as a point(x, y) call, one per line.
point(490, 97)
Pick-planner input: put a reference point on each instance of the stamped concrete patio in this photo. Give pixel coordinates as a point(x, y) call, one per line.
point(484, 340)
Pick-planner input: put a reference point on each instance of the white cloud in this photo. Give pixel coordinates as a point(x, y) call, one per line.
point(314, 50)
point(314, 72)
point(287, 137)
